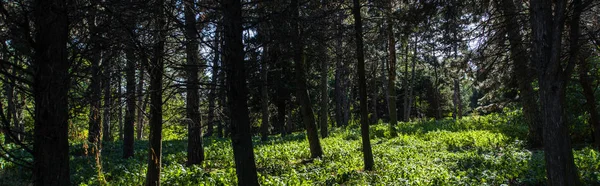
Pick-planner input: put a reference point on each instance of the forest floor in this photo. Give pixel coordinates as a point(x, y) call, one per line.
point(477, 150)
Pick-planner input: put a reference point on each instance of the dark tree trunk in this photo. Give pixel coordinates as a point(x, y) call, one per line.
point(342, 107)
point(106, 119)
point(195, 153)
point(237, 93)
point(364, 115)
point(412, 78)
point(406, 83)
point(586, 83)
point(95, 82)
point(51, 82)
point(391, 70)
point(302, 97)
point(213, 87)
point(324, 95)
point(523, 70)
point(547, 26)
point(140, 102)
point(264, 95)
point(119, 101)
point(128, 133)
point(156, 72)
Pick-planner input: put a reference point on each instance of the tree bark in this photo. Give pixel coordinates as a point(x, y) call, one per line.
point(391, 70)
point(523, 70)
point(51, 82)
point(237, 93)
point(324, 95)
point(95, 82)
point(264, 95)
point(128, 133)
point(156, 69)
point(141, 105)
point(406, 83)
point(547, 27)
point(213, 87)
point(412, 78)
point(106, 119)
point(364, 119)
point(195, 152)
point(588, 92)
point(302, 97)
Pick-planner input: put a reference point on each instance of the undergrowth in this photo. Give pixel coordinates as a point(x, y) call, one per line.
point(477, 150)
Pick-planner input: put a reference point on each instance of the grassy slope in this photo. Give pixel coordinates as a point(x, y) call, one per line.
point(475, 150)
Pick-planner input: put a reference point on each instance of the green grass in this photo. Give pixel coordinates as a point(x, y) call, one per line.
point(474, 151)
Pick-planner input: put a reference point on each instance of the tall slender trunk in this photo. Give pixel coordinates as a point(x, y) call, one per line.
point(341, 82)
point(95, 82)
point(195, 152)
point(237, 93)
point(51, 82)
point(128, 133)
point(156, 69)
point(362, 84)
point(406, 83)
point(547, 26)
point(302, 97)
point(119, 101)
point(523, 69)
point(213, 87)
point(106, 119)
point(412, 78)
point(586, 84)
point(264, 95)
point(141, 104)
point(391, 70)
point(324, 95)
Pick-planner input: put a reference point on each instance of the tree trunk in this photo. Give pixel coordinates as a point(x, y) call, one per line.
point(341, 82)
point(50, 91)
point(412, 78)
point(128, 133)
point(586, 83)
point(237, 93)
point(119, 101)
point(264, 95)
point(324, 95)
point(195, 152)
point(106, 119)
point(213, 87)
point(406, 83)
point(141, 104)
point(156, 68)
point(95, 82)
point(302, 97)
point(547, 28)
point(364, 126)
point(391, 70)
point(523, 70)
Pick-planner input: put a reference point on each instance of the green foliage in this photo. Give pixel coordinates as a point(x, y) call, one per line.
point(477, 150)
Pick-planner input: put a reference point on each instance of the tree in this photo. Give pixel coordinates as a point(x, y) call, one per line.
point(155, 69)
point(128, 133)
point(95, 83)
point(364, 115)
point(195, 152)
point(51, 82)
point(547, 25)
point(522, 70)
point(391, 69)
point(302, 97)
point(237, 92)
